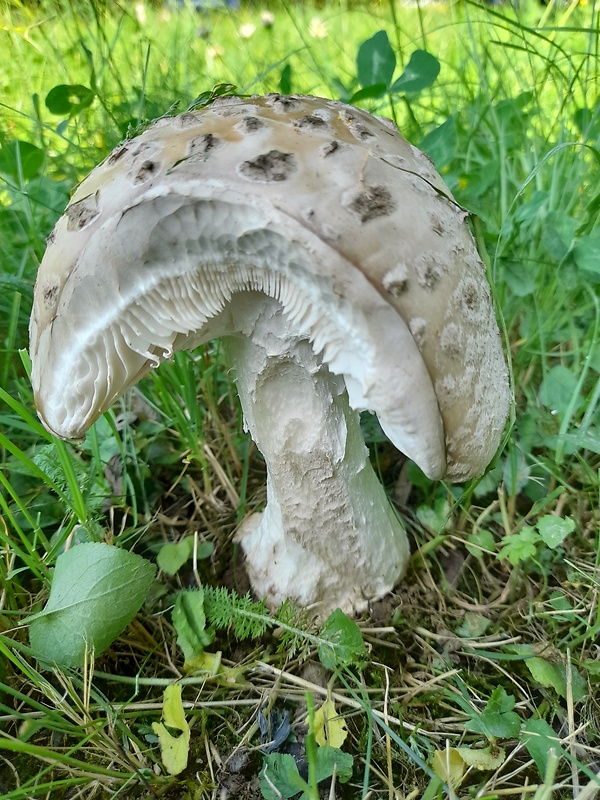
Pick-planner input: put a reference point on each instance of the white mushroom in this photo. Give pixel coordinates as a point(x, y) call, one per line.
point(332, 257)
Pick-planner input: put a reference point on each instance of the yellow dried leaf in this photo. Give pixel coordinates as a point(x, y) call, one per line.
point(211, 663)
point(448, 765)
point(173, 732)
point(486, 758)
point(330, 729)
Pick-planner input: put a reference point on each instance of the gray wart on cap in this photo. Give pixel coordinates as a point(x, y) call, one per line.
point(343, 277)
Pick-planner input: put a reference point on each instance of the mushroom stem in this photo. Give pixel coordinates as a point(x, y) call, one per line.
point(328, 535)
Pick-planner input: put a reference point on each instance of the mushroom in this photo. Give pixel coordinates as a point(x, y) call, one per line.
point(343, 277)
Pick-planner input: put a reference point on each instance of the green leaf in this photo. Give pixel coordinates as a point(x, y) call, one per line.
point(440, 144)
point(330, 757)
point(343, 91)
point(375, 61)
point(497, 720)
point(420, 73)
point(539, 738)
point(18, 158)
point(172, 556)
point(588, 122)
point(96, 591)
point(554, 530)
point(285, 80)
point(558, 234)
point(516, 472)
point(69, 99)
point(519, 278)
point(243, 617)
point(554, 674)
point(480, 542)
point(557, 390)
point(189, 621)
point(368, 93)
point(519, 546)
point(280, 777)
point(348, 646)
point(558, 602)
point(586, 254)
point(435, 518)
point(473, 625)
point(530, 212)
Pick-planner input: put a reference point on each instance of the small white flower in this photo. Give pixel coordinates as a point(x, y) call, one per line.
point(267, 19)
point(248, 30)
point(140, 13)
point(213, 52)
point(318, 28)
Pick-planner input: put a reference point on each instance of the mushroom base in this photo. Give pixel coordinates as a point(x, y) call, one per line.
point(328, 536)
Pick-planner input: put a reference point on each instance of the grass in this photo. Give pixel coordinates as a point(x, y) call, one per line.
point(483, 665)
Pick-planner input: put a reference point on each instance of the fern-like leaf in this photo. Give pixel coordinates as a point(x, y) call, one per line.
point(241, 616)
point(249, 619)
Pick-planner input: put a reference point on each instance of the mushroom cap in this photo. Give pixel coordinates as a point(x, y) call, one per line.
point(318, 204)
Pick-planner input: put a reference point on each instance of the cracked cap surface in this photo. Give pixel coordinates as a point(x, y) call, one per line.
point(311, 201)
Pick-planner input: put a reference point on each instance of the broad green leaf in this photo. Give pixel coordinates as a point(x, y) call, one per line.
point(512, 109)
point(375, 61)
point(343, 91)
point(172, 556)
point(440, 144)
point(557, 390)
point(554, 530)
point(96, 591)
point(497, 720)
point(473, 625)
point(588, 122)
point(520, 278)
point(593, 669)
point(532, 210)
point(189, 621)
point(68, 99)
point(280, 777)
point(519, 546)
point(420, 73)
point(554, 674)
point(435, 518)
point(330, 757)
point(329, 727)
point(348, 646)
point(539, 738)
point(285, 79)
point(173, 732)
point(369, 92)
point(480, 542)
point(558, 234)
point(516, 472)
point(489, 483)
point(586, 254)
point(18, 158)
point(558, 602)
